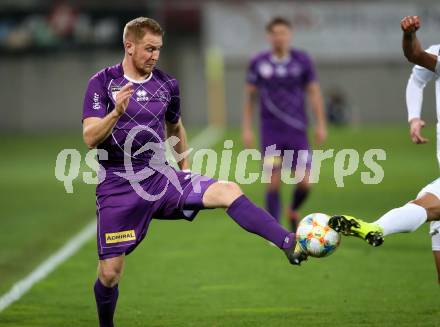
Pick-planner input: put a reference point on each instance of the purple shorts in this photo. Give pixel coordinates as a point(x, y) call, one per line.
point(290, 142)
point(124, 212)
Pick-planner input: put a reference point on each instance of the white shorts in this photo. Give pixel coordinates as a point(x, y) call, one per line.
point(435, 226)
point(434, 229)
point(433, 188)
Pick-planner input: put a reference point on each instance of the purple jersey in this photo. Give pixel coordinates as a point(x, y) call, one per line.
point(154, 100)
point(124, 211)
point(282, 84)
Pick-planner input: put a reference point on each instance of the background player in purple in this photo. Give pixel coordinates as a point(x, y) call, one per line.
point(283, 77)
point(137, 104)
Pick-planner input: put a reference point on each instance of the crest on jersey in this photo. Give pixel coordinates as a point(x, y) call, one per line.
point(265, 69)
point(115, 90)
point(164, 96)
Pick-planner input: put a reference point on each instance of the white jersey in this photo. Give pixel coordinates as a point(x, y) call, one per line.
point(420, 76)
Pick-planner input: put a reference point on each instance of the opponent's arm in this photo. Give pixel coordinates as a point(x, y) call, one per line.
point(96, 130)
point(316, 103)
point(250, 94)
point(178, 130)
point(412, 49)
point(414, 99)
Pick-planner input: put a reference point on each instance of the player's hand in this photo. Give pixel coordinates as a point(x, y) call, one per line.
point(320, 134)
point(248, 138)
point(410, 24)
point(416, 125)
point(123, 97)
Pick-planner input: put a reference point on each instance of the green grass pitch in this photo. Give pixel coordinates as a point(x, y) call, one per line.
point(210, 272)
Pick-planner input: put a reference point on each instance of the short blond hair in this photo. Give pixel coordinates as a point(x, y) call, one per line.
point(278, 20)
point(138, 27)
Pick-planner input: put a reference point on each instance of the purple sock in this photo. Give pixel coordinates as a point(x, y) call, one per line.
point(273, 204)
point(299, 196)
point(106, 298)
point(258, 221)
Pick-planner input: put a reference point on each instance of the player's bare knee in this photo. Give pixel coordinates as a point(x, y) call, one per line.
point(231, 191)
point(304, 185)
point(109, 273)
point(221, 194)
point(228, 192)
point(273, 186)
point(109, 276)
point(432, 209)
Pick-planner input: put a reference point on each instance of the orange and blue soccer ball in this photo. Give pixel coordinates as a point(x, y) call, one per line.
point(315, 237)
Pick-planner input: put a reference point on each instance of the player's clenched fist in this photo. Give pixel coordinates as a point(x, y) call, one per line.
point(123, 97)
point(410, 24)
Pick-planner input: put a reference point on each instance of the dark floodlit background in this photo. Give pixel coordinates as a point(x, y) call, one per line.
point(210, 273)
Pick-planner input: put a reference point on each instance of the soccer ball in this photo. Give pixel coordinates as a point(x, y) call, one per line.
point(315, 237)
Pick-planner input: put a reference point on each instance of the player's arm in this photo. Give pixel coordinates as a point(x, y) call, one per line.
point(420, 76)
point(96, 130)
point(317, 106)
point(250, 94)
point(412, 49)
point(178, 130)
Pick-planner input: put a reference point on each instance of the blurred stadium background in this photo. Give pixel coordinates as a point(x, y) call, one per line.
point(49, 50)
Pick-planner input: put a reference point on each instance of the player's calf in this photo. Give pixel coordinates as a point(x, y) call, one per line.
point(250, 217)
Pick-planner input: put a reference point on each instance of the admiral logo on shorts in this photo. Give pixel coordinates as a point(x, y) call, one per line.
point(128, 235)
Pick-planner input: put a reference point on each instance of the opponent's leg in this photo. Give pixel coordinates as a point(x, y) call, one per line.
point(251, 218)
point(426, 207)
point(299, 196)
point(431, 203)
point(399, 220)
point(273, 204)
point(106, 288)
point(407, 218)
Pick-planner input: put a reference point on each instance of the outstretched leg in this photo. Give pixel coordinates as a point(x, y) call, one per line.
point(250, 217)
point(407, 218)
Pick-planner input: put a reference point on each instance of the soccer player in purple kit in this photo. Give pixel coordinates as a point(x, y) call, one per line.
point(136, 96)
point(283, 77)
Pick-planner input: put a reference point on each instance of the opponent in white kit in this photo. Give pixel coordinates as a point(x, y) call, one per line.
point(426, 206)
